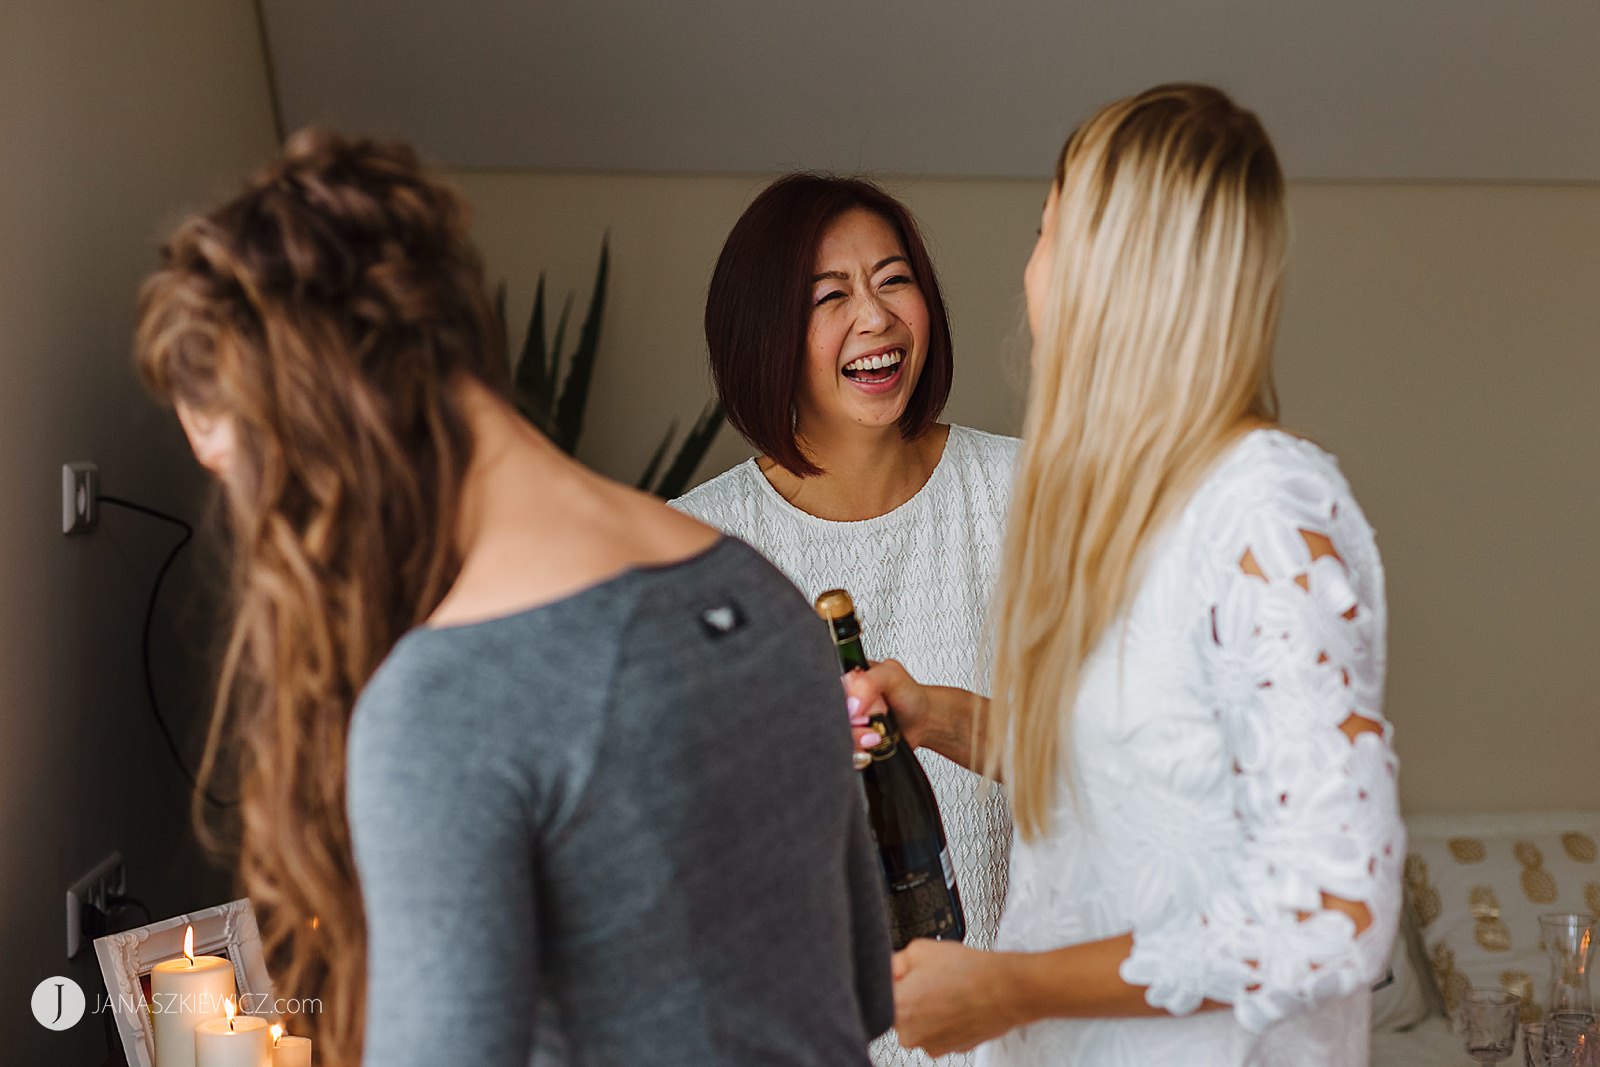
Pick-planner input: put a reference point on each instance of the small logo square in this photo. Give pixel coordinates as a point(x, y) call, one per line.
point(721, 620)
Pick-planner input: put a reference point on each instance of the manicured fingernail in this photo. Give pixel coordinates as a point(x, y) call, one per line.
point(870, 739)
point(852, 704)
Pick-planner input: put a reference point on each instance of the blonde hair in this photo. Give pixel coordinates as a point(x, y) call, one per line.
point(1153, 346)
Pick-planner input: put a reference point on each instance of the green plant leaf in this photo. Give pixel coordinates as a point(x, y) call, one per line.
point(691, 452)
point(580, 368)
point(554, 373)
point(534, 383)
point(649, 476)
point(555, 403)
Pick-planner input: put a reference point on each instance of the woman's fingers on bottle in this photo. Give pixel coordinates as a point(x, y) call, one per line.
point(863, 699)
point(866, 735)
point(867, 739)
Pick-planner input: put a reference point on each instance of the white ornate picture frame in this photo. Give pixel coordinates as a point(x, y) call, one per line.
point(127, 958)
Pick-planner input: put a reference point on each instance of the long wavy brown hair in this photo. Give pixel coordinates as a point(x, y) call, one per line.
point(329, 310)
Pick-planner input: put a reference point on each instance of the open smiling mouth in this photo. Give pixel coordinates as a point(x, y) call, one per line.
point(876, 370)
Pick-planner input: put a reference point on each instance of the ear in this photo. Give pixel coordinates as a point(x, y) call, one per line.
point(211, 437)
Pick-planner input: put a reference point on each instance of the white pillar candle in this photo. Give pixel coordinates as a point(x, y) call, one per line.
point(292, 1052)
point(184, 993)
point(235, 1041)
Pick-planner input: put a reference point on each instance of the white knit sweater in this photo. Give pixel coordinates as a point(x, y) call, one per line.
point(921, 577)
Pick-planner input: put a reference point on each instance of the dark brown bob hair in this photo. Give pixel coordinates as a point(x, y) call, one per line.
point(758, 308)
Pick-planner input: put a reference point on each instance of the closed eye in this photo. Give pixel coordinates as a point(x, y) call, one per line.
point(898, 279)
point(825, 297)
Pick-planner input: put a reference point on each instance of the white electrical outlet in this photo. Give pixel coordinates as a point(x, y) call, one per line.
point(80, 486)
point(94, 890)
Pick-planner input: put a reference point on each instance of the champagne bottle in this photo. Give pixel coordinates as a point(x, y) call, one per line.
point(924, 900)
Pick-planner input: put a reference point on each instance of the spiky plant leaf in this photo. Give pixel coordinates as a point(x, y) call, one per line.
point(647, 479)
point(580, 369)
point(691, 452)
point(534, 383)
point(555, 403)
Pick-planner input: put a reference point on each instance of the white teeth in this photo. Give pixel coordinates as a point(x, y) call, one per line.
point(888, 359)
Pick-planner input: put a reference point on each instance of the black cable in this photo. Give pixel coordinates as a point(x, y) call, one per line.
point(149, 620)
point(118, 903)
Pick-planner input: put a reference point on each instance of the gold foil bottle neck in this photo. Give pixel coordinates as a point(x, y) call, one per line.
point(835, 604)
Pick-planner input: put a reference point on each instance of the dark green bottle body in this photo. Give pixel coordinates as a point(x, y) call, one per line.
point(924, 899)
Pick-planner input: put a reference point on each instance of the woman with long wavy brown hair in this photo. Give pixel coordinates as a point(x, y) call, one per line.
point(463, 669)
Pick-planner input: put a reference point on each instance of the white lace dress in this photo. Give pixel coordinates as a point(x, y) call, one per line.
point(921, 577)
point(1217, 796)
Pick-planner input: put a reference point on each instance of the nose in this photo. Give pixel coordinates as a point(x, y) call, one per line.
point(871, 315)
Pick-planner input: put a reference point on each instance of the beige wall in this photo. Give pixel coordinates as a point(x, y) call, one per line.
point(1444, 340)
point(113, 118)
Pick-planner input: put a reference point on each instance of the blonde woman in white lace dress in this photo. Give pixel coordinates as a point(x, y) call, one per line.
point(831, 352)
point(1188, 710)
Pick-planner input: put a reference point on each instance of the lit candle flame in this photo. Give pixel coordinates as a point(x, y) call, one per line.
point(315, 922)
point(227, 1005)
point(277, 1032)
point(188, 944)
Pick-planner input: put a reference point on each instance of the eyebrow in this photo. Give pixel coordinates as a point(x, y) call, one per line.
point(839, 275)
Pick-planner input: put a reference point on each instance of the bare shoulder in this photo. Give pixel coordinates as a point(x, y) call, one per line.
point(544, 548)
point(653, 532)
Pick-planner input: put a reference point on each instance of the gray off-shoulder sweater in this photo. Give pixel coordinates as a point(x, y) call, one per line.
point(619, 829)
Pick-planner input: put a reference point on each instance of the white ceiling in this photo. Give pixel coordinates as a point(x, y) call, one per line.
point(1349, 89)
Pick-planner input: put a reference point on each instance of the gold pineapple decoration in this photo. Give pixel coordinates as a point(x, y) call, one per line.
point(1452, 983)
point(1537, 883)
point(1489, 930)
point(1425, 900)
point(1521, 983)
point(1580, 847)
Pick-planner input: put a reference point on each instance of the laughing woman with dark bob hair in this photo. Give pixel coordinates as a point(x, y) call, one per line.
point(830, 347)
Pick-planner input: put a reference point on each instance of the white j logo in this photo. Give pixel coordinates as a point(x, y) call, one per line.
point(58, 1003)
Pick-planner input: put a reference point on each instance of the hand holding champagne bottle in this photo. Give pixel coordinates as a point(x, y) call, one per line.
point(923, 898)
point(936, 717)
point(886, 684)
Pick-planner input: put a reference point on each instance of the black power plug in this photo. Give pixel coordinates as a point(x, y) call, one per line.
point(114, 917)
